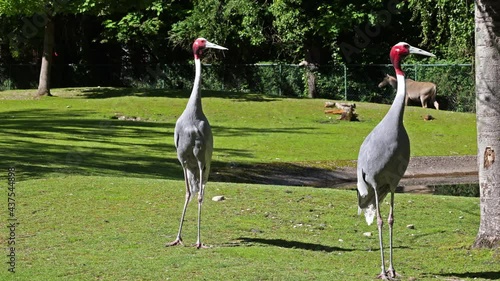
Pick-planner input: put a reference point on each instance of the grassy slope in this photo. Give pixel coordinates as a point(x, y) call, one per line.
point(103, 228)
point(77, 225)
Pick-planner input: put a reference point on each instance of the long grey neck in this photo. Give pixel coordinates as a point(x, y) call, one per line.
point(194, 102)
point(397, 109)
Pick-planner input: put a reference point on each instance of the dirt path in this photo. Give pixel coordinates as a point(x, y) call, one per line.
point(421, 173)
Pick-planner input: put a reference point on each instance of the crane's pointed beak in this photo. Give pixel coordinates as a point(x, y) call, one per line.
point(418, 51)
point(214, 46)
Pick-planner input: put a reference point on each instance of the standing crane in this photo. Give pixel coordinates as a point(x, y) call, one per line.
point(194, 142)
point(384, 156)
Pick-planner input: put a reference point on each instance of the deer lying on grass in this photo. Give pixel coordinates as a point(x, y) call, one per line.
point(415, 91)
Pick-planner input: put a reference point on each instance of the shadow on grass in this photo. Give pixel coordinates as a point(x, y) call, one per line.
point(282, 174)
point(38, 142)
point(42, 142)
point(104, 93)
point(293, 244)
point(488, 275)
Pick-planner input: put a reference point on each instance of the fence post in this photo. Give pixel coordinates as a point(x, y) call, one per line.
point(345, 82)
point(415, 69)
point(281, 80)
point(223, 76)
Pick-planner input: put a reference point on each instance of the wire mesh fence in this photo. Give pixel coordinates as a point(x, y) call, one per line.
point(455, 82)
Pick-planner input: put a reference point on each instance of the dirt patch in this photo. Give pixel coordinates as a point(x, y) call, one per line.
point(422, 172)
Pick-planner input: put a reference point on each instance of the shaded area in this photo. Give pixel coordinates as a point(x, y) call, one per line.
point(468, 190)
point(281, 174)
point(421, 177)
point(42, 142)
point(293, 244)
point(488, 275)
point(39, 142)
point(109, 92)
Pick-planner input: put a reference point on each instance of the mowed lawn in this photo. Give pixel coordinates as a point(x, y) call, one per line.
point(75, 132)
point(98, 197)
point(115, 228)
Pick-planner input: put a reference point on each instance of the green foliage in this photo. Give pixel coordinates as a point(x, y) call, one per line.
point(21, 7)
point(209, 19)
point(469, 190)
point(132, 26)
point(251, 15)
point(139, 20)
point(292, 25)
point(447, 27)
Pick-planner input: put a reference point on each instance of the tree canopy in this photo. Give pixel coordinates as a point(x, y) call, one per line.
point(282, 30)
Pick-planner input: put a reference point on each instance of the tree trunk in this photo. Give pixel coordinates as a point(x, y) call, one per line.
point(312, 59)
point(311, 83)
point(487, 18)
point(48, 46)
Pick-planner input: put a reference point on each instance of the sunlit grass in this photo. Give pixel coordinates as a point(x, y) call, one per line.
point(98, 197)
point(109, 228)
point(78, 130)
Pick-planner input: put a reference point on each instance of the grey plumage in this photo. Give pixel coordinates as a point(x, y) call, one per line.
point(384, 156)
point(194, 142)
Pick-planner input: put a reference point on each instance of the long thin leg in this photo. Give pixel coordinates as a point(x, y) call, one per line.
point(380, 223)
point(423, 101)
point(200, 202)
point(178, 240)
point(390, 221)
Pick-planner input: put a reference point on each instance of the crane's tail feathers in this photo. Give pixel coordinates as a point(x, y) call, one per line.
point(369, 213)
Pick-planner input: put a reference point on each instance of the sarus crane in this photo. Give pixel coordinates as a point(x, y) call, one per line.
point(384, 156)
point(194, 142)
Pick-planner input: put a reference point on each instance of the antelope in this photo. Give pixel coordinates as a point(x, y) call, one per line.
point(415, 90)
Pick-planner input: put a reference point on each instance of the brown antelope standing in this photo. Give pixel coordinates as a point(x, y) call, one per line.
point(415, 91)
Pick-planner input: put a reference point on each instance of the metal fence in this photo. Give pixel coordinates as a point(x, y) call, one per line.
point(455, 82)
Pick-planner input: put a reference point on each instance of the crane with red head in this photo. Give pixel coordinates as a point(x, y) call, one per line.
point(384, 156)
point(194, 141)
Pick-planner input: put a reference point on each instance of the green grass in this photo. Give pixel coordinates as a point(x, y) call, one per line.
point(107, 228)
point(97, 198)
point(77, 134)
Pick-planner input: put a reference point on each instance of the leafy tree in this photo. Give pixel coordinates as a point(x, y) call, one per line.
point(242, 25)
point(38, 18)
point(293, 30)
point(447, 27)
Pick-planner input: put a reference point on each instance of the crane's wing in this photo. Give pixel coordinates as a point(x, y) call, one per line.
point(382, 161)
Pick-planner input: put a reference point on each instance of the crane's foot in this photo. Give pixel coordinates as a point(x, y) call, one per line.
point(383, 276)
point(392, 274)
point(201, 246)
point(176, 242)
point(389, 275)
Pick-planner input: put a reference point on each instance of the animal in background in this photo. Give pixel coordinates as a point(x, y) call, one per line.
point(415, 90)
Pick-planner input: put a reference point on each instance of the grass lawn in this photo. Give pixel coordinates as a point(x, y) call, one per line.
point(75, 132)
point(115, 228)
point(98, 197)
